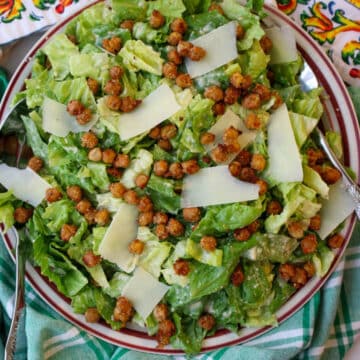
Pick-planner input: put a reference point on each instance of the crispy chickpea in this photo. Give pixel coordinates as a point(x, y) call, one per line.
point(22, 215)
point(92, 315)
point(231, 95)
point(90, 259)
point(160, 218)
point(164, 144)
point(216, 7)
point(315, 157)
point(273, 208)
point(197, 53)
point(330, 174)
point(161, 167)
point(233, 147)
point(113, 87)
point(335, 241)
point(207, 138)
point(102, 217)
point(166, 330)
point(128, 104)
point(253, 121)
point(219, 154)
point(52, 195)
point(234, 168)
point(208, 243)
point(122, 161)
point(192, 214)
point(161, 231)
point(127, 24)
point(295, 229)
point(75, 107)
point(108, 156)
point(179, 25)
point(183, 81)
point(155, 133)
point(263, 186)
point(309, 244)
point(254, 226)
point(95, 154)
point(248, 174)
point(113, 102)
point(176, 171)
point(89, 140)
point(117, 190)
point(90, 216)
point(161, 312)
point(84, 117)
point(287, 271)
point(83, 206)
point(240, 32)
point(310, 269)
point(237, 277)
point(174, 38)
point(93, 85)
point(112, 45)
point(181, 267)
point(300, 277)
point(35, 163)
point(169, 70)
point(145, 204)
point(207, 322)
point(315, 222)
point(116, 72)
point(157, 20)
point(258, 162)
point(263, 91)
point(123, 310)
point(230, 135)
point(174, 57)
point(219, 108)
point(175, 227)
point(251, 101)
point(190, 167)
point(214, 92)
point(67, 232)
point(136, 247)
point(244, 157)
point(242, 234)
point(131, 197)
point(168, 131)
point(141, 181)
point(236, 80)
point(114, 172)
point(145, 218)
point(266, 44)
point(183, 48)
point(74, 192)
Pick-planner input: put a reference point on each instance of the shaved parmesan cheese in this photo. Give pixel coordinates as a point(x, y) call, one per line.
point(122, 230)
point(336, 209)
point(283, 44)
point(155, 108)
point(220, 47)
point(26, 184)
point(215, 185)
point(144, 291)
point(284, 156)
point(57, 120)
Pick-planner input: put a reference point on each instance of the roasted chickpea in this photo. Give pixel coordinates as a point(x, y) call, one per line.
point(248, 174)
point(108, 156)
point(161, 167)
point(128, 104)
point(169, 70)
point(114, 172)
point(102, 217)
point(174, 57)
point(251, 101)
point(168, 131)
point(295, 229)
point(231, 95)
point(219, 108)
point(335, 241)
point(244, 157)
point(92, 315)
point(179, 25)
point(263, 91)
point(161, 231)
point(242, 234)
point(240, 32)
point(122, 161)
point(263, 186)
point(90, 259)
point(145, 218)
point(287, 271)
point(214, 92)
point(83, 206)
point(113, 87)
point(219, 9)
point(117, 190)
point(176, 171)
point(67, 232)
point(254, 226)
point(219, 154)
point(145, 204)
point(161, 312)
point(230, 135)
point(237, 277)
point(310, 269)
point(93, 85)
point(266, 44)
point(141, 181)
point(112, 45)
point(175, 227)
point(166, 329)
point(157, 20)
point(181, 267)
point(258, 162)
point(207, 138)
point(22, 215)
point(131, 197)
point(174, 38)
point(164, 144)
point(253, 121)
point(113, 102)
point(208, 243)
point(192, 214)
point(52, 195)
point(273, 208)
point(309, 244)
point(196, 53)
point(116, 72)
point(190, 166)
point(127, 24)
point(235, 168)
point(183, 48)
point(75, 107)
point(123, 310)
point(315, 222)
point(74, 192)
point(315, 157)
point(233, 147)
point(330, 175)
point(35, 163)
point(155, 133)
point(300, 277)
point(95, 154)
point(236, 80)
point(136, 247)
point(84, 117)
point(90, 216)
point(207, 322)
point(89, 140)
point(183, 81)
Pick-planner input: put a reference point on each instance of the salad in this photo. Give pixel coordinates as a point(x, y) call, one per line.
point(173, 179)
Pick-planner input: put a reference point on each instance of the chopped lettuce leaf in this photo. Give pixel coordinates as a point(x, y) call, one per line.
point(302, 126)
point(314, 181)
point(169, 8)
point(7, 216)
point(213, 258)
point(334, 140)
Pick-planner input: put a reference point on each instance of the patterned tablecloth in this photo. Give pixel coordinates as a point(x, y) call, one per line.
point(325, 328)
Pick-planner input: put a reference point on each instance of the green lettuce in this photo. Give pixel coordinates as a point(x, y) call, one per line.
point(302, 126)
point(322, 259)
point(168, 8)
point(196, 6)
point(128, 9)
point(116, 284)
point(334, 140)
point(213, 258)
point(286, 74)
point(98, 175)
point(7, 216)
point(314, 181)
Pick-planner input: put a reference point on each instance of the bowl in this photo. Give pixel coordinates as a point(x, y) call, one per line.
point(341, 117)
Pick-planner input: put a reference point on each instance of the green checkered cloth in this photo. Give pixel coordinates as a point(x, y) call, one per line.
point(325, 327)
